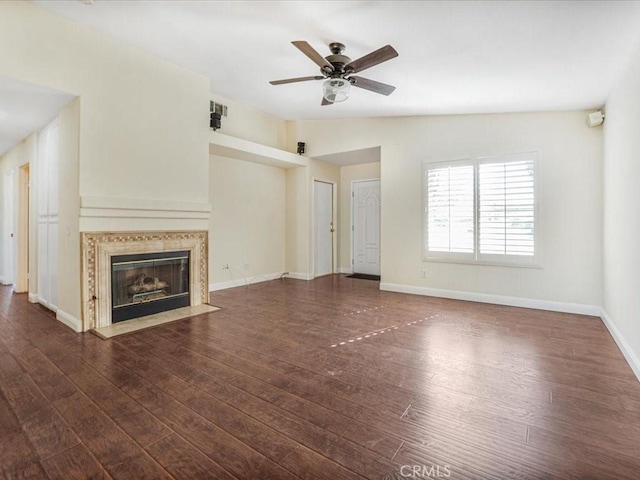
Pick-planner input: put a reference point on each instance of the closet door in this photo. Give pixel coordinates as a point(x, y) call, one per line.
point(52, 225)
point(47, 181)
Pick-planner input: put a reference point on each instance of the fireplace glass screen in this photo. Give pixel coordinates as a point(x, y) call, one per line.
point(148, 283)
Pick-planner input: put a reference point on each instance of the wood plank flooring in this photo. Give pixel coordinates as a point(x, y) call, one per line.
point(329, 379)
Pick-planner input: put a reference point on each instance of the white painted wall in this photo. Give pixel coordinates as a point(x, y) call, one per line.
point(365, 171)
point(621, 301)
point(570, 215)
point(247, 223)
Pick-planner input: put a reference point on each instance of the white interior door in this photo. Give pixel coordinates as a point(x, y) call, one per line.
point(7, 269)
point(323, 228)
point(22, 229)
point(366, 227)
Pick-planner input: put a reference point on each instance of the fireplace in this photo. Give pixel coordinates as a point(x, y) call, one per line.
point(127, 275)
point(149, 283)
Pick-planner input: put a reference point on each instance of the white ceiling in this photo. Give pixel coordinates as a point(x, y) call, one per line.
point(26, 108)
point(454, 57)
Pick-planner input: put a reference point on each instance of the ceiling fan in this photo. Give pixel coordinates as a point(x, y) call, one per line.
point(338, 71)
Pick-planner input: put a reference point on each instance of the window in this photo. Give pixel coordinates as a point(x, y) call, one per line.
point(481, 210)
point(450, 225)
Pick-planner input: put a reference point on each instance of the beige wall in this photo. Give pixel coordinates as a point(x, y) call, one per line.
point(621, 219)
point(68, 204)
point(298, 225)
point(570, 198)
point(247, 224)
point(349, 174)
point(249, 124)
point(142, 123)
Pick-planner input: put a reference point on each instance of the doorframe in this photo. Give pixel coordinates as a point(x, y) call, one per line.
point(9, 227)
point(334, 214)
point(21, 284)
point(353, 227)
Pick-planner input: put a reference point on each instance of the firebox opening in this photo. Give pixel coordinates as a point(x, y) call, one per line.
point(144, 284)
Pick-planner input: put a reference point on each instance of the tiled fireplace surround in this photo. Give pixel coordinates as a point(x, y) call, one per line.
point(99, 247)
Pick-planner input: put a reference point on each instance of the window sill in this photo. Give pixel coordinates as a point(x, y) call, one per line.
point(534, 265)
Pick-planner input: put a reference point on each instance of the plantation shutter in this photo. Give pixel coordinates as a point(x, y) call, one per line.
point(449, 209)
point(506, 208)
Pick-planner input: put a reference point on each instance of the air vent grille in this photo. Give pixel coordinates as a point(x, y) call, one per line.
point(218, 108)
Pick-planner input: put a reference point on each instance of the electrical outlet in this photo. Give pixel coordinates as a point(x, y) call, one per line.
point(424, 274)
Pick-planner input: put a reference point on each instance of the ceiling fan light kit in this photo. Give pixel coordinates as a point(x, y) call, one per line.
point(337, 71)
point(336, 90)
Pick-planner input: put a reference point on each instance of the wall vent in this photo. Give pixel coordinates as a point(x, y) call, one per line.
point(218, 108)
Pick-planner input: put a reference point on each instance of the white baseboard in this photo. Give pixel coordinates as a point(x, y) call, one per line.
point(629, 355)
point(70, 321)
point(241, 282)
point(348, 271)
point(299, 276)
point(44, 303)
point(577, 308)
point(33, 297)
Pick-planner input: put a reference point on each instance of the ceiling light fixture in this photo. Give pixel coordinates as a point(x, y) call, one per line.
point(336, 90)
point(338, 71)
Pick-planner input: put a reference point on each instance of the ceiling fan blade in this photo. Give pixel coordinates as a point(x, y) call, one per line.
point(293, 80)
point(326, 102)
point(372, 85)
point(310, 52)
point(374, 58)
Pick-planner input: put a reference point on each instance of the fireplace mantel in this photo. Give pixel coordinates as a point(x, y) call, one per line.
point(99, 247)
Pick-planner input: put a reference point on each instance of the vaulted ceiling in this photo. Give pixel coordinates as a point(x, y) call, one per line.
point(454, 57)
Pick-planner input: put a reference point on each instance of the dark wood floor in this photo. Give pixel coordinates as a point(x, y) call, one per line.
point(330, 379)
